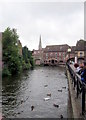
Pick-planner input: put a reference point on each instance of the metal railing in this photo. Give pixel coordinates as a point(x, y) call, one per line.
point(79, 86)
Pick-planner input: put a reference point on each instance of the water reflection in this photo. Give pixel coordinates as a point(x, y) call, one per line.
point(30, 89)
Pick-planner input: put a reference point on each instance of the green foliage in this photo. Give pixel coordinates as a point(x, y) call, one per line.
point(10, 51)
point(26, 66)
point(32, 62)
point(27, 56)
point(25, 53)
point(13, 62)
point(6, 72)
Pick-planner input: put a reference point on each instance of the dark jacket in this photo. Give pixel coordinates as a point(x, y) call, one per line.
point(83, 76)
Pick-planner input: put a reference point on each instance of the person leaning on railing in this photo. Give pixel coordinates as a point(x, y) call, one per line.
point(79, 69)
point(83, 74)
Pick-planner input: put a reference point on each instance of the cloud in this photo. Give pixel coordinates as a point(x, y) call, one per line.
point(57, 22)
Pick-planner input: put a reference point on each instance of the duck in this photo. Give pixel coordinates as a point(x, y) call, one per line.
point(46, 76)
point(22, 101)
point(45, 99)
point(55, 105)
point(18, 113)
point(32, 107)
point(64, 87)
point(59, 90)
point(61, 116)
point(49, 94)
point(45, 85)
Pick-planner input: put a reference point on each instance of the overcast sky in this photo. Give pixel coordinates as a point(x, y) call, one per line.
point(56, 22)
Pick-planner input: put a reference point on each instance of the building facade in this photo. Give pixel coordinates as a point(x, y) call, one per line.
point(50, 55)
point(58, 54)
point(70, 53)
point(38, 54)
point(55, 54)
point(80, 48)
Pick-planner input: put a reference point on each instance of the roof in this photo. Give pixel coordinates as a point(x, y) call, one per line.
point(56, 48)
point(80, 45)
point(73, 48)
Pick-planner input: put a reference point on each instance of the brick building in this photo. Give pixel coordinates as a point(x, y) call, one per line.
point(50, 55)
point(80, 48)
point(70, 53)
point(58, 54)
point(55, 54)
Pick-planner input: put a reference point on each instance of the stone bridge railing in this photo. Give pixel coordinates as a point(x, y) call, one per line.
point(79, 86)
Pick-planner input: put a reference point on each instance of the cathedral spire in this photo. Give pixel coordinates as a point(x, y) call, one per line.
point(40, 44)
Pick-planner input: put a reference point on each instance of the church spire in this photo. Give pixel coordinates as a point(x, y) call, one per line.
point(40, 44)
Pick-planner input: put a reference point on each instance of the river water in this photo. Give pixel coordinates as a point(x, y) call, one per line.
point(30, 89)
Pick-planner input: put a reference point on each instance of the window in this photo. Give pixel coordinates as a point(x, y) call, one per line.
point(46, 55)
point(59, 53)
point(56, 55)
point(63, 54)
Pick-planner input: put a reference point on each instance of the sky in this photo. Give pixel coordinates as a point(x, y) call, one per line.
point(56, 22)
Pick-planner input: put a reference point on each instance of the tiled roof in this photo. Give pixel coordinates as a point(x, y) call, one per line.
point(73, 48)
point(54, 48)
point(80, 45)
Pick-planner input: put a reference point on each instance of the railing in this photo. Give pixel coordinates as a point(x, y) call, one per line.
point(78, 85)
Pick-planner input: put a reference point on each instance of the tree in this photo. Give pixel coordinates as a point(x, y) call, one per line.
point(10, 51)
point(14, 62)
point(27, 55)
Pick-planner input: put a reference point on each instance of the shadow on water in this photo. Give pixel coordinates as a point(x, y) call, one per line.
point(10, 90)
point(30, 88)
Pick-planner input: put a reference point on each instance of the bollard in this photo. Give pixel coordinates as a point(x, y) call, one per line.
point(83, 99)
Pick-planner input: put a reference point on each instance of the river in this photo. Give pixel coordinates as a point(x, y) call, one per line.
point(19, 93)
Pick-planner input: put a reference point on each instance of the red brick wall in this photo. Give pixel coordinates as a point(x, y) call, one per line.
point(51, 55)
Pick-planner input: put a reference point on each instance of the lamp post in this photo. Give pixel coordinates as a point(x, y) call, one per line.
point(69, 50)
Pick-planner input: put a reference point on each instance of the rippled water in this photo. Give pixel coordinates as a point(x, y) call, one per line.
point(20, 93)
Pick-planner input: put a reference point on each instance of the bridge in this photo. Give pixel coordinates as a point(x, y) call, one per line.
point(77, 91)
point(55, 62)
